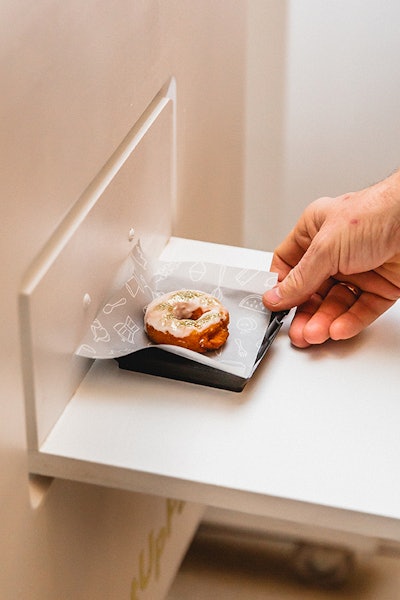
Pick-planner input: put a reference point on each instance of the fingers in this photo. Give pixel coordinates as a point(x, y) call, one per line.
point(313, 320)
point(373, 282)
point(364, 312)
point(305, 312)
point(338, 316)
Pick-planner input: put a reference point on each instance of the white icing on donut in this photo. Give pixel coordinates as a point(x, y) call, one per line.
point(172, 312)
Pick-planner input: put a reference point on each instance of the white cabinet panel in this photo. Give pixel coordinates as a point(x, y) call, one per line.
point(309, 440)
point(84, 259)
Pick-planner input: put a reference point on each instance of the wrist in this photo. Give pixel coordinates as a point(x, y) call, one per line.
point(392, 187)
point(392, 196)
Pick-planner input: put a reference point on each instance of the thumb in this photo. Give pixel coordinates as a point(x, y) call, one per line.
point(299, 284)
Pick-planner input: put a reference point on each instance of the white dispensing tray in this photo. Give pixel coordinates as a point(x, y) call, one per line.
point(312, 439)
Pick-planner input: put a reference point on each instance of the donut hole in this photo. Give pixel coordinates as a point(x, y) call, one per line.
point(183, 310)
point(196, 314)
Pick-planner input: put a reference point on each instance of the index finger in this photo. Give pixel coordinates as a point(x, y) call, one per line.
point(313, 268)
point(286, 256)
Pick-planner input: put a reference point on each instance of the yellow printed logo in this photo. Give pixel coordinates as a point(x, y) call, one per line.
point(149, 567)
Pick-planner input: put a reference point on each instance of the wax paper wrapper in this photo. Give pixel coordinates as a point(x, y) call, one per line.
point(118, 329)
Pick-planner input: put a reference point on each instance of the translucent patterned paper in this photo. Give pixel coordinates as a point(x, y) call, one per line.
point(118, 329)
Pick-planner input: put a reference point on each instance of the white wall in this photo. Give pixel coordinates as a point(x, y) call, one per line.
point(335, 122)
point(75, 76)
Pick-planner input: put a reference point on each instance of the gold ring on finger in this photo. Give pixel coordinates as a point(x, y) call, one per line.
point(353, 288)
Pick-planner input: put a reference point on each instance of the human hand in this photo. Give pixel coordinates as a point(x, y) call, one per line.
point(353, 239)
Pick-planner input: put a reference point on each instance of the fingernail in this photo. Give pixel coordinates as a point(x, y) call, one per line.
point(273, 296)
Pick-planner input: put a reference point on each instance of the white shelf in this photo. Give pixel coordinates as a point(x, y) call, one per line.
point(313, 438)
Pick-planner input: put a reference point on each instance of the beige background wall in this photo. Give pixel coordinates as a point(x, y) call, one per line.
point(278, 102)
point(74, 78)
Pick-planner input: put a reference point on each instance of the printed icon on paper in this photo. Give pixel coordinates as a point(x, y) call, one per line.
point(112, 306)
point(139, 257)
point(246, 324)
point(242, 352)
point(138, 284)
point(245, 276)
point(253, 302)
point(197, 271)
point(127, 330)
point(86, 350)
point(100, 333)
point(165, 270)
point(217, 292)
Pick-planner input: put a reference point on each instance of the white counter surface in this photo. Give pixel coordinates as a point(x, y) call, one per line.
point(314, 437)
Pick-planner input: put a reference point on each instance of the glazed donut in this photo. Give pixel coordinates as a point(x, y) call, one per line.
point(187, 318)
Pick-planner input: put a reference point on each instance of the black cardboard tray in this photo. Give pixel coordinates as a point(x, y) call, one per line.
point(154, 361)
